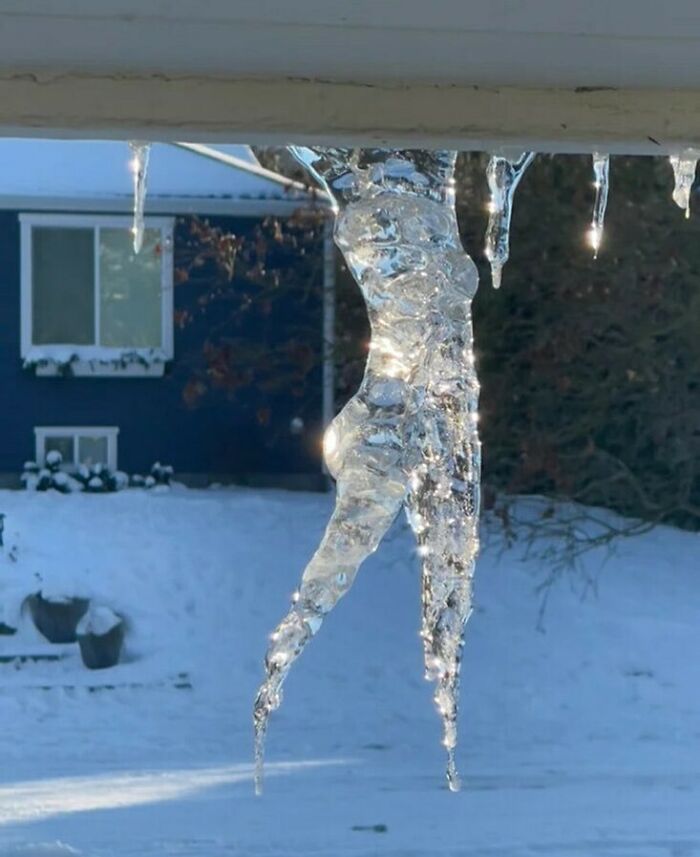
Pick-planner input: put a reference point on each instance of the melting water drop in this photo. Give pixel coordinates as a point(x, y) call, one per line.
point(409, 437)
point(140, 152)
point(684, 167)
point(503, 176)
point(601, 173)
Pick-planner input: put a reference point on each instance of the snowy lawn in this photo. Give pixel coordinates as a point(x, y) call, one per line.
point(583, 740)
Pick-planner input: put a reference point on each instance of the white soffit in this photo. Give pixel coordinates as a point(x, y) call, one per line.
point(269, 69)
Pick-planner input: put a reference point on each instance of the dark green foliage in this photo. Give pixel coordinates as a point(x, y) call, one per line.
point(96, 479)
point(162, 474)
point(590, 370)
point(50, 476)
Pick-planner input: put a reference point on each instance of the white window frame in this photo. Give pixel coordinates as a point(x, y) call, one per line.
point(96, 359)
point(42, 433)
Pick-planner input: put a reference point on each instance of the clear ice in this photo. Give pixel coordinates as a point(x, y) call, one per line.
point(503, 176)
point(601, 182)
point(684, 167)
point(409, 437)
point(140, 152)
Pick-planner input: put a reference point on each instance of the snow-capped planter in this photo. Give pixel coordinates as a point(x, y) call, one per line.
point(100, 637)
point(57, 617)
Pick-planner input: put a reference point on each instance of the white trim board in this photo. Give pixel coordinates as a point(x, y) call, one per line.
point(538, 42)
point(279, 111)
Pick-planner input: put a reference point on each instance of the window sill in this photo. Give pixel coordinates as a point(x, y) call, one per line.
point(92, 369)
point(96, 363)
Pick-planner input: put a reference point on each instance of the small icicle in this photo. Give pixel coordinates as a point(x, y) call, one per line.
point(286, 644)
point(601, 173)
point(139, 169)
point(454, 784)
point(684, 175)
point(503, 176)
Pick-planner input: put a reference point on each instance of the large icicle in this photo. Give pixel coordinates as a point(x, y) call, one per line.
point(684, 167)
point(601, 182)
point(140, 152)
point(503, 176)
point(409, 437)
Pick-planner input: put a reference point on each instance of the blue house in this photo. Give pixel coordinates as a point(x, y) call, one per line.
point(99, 345)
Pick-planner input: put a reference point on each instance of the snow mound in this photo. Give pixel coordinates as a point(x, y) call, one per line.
point(583, 737)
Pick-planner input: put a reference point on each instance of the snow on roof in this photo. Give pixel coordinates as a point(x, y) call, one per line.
point(95, 175)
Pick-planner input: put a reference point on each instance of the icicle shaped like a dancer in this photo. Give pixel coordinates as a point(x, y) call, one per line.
point(409, 437)
point(140, 153)
point(503, 176)
point(601, 183)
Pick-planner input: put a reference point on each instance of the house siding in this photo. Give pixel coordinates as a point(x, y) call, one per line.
point(220, 437)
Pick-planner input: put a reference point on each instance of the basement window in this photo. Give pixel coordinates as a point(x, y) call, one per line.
point(88, 445)
point(90, 305)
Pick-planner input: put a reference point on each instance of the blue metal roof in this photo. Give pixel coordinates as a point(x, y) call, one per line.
point(95, 175)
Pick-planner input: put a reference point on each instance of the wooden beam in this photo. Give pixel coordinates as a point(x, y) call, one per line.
point(282, 110)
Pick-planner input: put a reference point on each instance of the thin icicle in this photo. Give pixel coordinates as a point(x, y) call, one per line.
point(684, 167)
point(503, 176)
point(139, 169)
point(601, 173)
point(409, 437)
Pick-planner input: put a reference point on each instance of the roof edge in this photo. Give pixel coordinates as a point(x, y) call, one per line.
point(177, 206)
point(259, 171)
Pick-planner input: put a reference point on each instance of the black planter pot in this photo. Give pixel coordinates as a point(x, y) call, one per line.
point(101, 651)
point(57, 620)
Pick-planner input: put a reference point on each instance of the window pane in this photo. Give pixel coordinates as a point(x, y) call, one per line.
point(64, 445)
point(92, 450)
point(130, 290)
point(63, 293)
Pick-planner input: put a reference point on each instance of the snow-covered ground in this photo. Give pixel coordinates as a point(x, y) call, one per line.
point(582, 740)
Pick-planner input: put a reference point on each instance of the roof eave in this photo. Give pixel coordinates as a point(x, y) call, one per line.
point(155, 205)
point(309, 192)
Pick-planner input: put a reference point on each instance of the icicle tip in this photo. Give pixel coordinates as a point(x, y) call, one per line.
point(595, 238)
point(258, 785)
point(454, 784)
